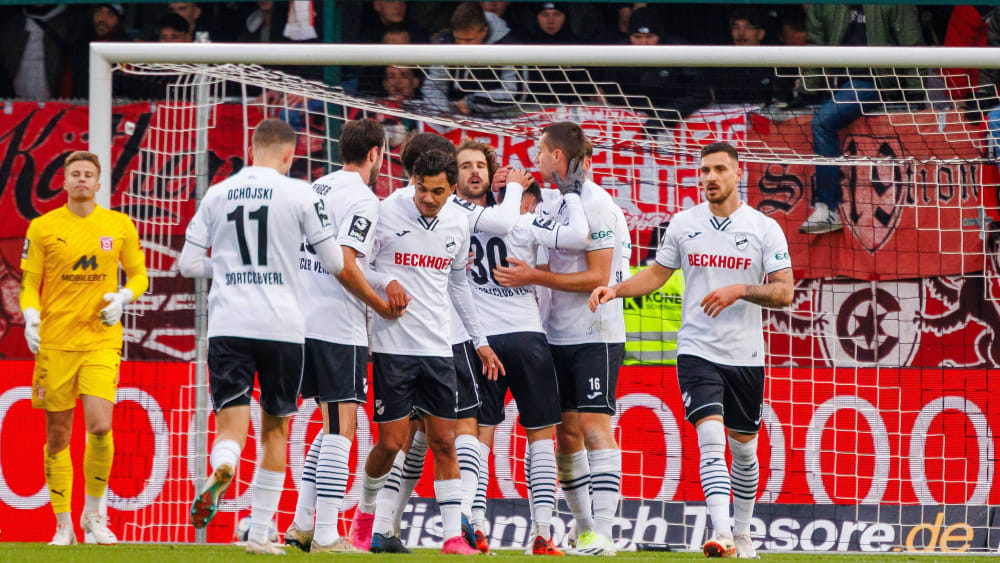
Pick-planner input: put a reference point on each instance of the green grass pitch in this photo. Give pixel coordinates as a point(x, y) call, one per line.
point(150, 553)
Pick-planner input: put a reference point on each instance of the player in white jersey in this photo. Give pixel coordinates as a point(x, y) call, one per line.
point(254, 223)
point(587, 347)
point(336, 345)
point(726, 249)
point(476, 166)
point(422, 244)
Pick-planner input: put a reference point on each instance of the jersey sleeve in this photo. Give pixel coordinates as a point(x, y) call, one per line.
point(132, 256)
point(33, 254)
point(314, 221)
point(668, 254)
point(601, 219)
point(199, 229)
point(775, 248)
point(462, 257)
point(358, 231)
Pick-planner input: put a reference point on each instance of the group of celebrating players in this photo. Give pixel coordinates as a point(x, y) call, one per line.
point(502, 285)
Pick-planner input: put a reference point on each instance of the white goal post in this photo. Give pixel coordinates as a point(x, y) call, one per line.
point(878, 417)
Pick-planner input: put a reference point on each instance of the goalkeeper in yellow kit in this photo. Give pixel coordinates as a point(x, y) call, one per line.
point(72, 307)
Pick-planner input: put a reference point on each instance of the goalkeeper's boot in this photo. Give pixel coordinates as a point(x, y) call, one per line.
point(744, 547)
point(95, 524)
point(339, 545)
point(361, 530)
point(387, 544)
point(544, 546)
point(301, 539)
point(265, 548)
point(720, 546)
point(482, 544)
point(207, 501)
point(590, 543)
point(65, 535)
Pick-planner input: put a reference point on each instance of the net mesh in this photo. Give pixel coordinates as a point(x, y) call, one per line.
point(866, 426)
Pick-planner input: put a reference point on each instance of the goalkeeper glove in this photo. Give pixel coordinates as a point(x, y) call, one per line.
point(111, 314)
point(573, 182)
point(32, 322)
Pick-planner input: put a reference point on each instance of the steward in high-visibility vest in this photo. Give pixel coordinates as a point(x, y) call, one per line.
point(652, 322)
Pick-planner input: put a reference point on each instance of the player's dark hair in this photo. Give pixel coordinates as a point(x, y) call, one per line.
point(77, 156)
point(534, 190)
point(720, 147)
point(271, 132)
point(421, 143)
point(432, 163)
point(567, 137)
point(173, 21)
point(468, 15)
point(489, 152)
point(357, 138)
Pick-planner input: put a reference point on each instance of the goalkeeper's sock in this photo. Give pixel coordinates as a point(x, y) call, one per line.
point(605, 480)
point(467, 451)
point(574, 476)
point(97, 458)
point(267, 488)
point(715, 474)
point(305, 506)
point(59, 478)
point(332, 473)
point(745, 476)
point(385, 501)
point(479, 505)
point(225, 452)
point(413, 467)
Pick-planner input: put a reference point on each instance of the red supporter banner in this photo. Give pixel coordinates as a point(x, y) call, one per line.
point(889, 436)
point(902, 218)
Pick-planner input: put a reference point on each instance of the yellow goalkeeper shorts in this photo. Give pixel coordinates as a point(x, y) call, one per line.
point(62, 376)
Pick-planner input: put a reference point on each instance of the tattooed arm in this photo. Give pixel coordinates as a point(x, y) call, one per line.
point(777, 292)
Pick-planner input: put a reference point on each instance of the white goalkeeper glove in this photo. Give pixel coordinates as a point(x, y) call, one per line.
point(111, 314)
point(32, 322)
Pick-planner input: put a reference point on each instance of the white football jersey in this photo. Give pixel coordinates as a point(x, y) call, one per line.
point(254, 222)
point(419, 254)
point(570, 320)
point(333, 314)
point(714, 252)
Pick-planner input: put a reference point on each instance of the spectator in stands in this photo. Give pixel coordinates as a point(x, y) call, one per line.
point(38, 44)
point(552, 25)
point(258, 24)
point(385, 14)
point(793, 27)
point(746, 85)
point(471, 91)
point(674, 93)
point(494, 12)
point(400, 84)
point(989, 83)
point(617, 34)
point(855, 24)
point(106, 20)
point(191, 13)
point(173, 29)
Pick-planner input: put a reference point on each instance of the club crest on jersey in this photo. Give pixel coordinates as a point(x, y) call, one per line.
point(106, 243)
point(742, 241)
point(449, 244)
point(359, 228)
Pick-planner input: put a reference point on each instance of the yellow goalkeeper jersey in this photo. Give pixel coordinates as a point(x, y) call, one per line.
point(77, 260)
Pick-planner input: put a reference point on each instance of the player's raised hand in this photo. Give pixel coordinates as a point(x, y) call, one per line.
point(572, 183)
point(719, 299)
point(521, 177)
point(398, 298)
point(499, 179)
point(492, 368)
point(517, 274)
point(600, 296)
point(32, 324)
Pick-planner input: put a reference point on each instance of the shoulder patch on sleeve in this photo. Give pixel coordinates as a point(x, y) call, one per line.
point(24, 253)
point(359, 228)
point(464, 203)
point(544, 223)
point(320, 207)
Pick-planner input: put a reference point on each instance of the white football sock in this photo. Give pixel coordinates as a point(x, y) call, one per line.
point(541, 468)
point(479, 504)
point(467, 451)
point(413, 467)
point(449, 498)
point(225, 452)
point(305, 506)
point(386, 500)
point(574, 477)
point(745, 477)
point(605, 480)
point(267, 488)
point(332, 473)
point(370, 486)
point(715, 474)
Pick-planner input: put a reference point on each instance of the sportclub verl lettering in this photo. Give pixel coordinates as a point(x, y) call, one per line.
point(719, 261)
point(422, 260)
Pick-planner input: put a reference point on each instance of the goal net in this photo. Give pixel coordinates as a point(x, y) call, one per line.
point(877, 425)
